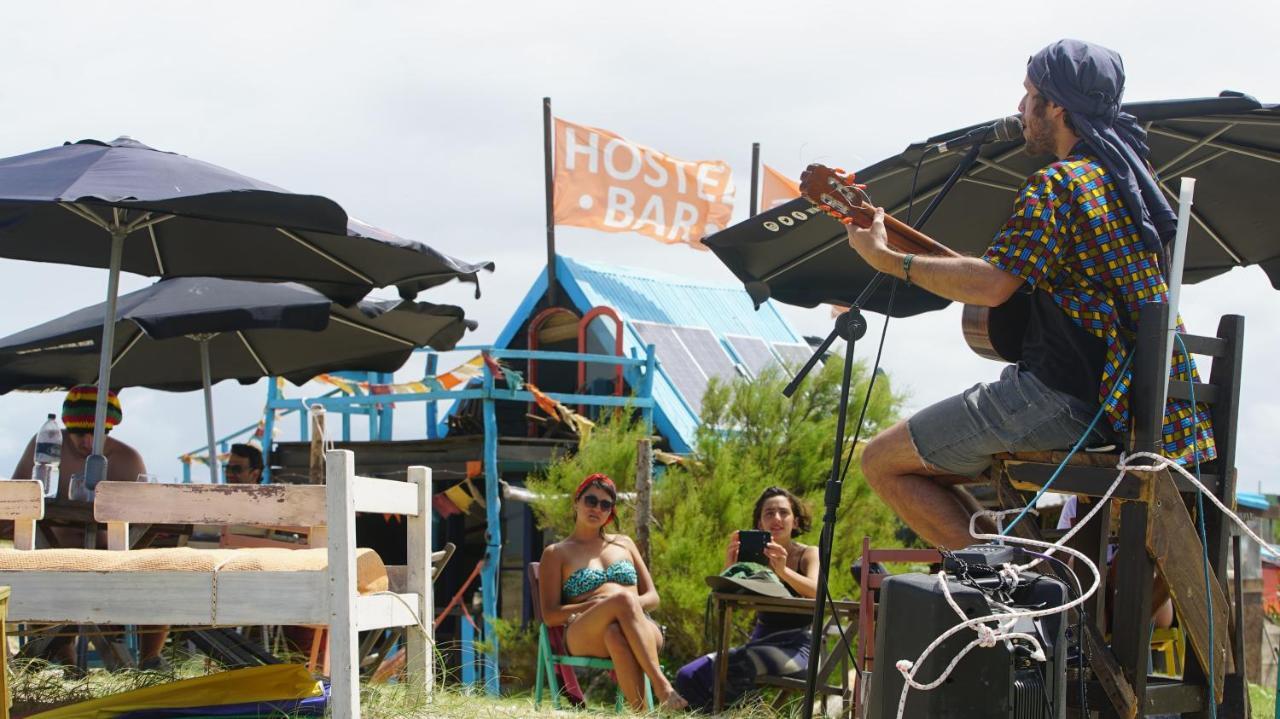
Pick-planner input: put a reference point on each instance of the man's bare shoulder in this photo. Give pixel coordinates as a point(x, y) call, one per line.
point(124, 463)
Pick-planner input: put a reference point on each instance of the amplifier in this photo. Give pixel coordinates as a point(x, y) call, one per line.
point(989, 682)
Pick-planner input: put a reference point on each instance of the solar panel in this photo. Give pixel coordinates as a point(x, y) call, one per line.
point(793, 355)
point(689, 379)
point(754, 353)
point(708, 353)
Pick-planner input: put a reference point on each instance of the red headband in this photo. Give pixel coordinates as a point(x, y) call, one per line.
point(603, 479)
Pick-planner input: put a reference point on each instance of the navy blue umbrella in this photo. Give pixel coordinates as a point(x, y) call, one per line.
point(1231, 144)
point(126, 206)
point(191, 332)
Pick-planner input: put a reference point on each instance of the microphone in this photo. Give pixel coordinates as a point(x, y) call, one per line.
point(1002, 130)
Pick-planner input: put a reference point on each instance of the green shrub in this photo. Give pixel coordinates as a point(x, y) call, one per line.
point(751, 437)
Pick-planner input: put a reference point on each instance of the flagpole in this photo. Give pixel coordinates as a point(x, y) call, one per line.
point(755, 178)
point(550, 184)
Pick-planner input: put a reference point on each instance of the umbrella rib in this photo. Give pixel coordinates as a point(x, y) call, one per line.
point(155, 247)
point(1205, 226)
point(1194, 146)
point(1248, 152)
point(997, 166)
point(85, 213)
point(253, 354)
point(310, 246)
point(1197, 163)
point(136, 338)
point(371, 330)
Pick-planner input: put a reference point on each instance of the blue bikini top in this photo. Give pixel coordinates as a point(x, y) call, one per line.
point(589, 578)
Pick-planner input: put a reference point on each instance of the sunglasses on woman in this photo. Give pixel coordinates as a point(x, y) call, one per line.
point(593, 502)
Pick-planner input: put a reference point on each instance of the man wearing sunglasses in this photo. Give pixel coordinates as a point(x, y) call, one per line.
point(244, 466)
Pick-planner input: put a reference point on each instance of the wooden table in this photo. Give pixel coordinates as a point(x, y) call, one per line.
point(78, 514)
point(845, 611)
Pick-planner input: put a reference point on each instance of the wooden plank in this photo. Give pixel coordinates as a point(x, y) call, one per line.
point(318, 537)
point(1205, 393)
point(118, 536)
point(166, 597)
point(379, 611)
point(420, 646)
point(344, 665)
point(316, 458)
point(384, 496)
point(267, 504)
point(1172, 539)
point(21, 499)
point(24, 534)
point(1088, 480)
point(1201, 345)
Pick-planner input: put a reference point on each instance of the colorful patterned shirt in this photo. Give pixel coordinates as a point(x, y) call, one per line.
point(1071, 236)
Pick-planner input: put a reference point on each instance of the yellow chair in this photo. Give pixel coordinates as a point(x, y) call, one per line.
point(1170, 645)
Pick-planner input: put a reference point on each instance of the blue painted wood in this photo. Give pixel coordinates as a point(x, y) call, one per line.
point(493, 518)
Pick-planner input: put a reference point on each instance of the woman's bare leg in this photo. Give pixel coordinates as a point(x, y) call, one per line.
point(630, 678)
point(585, 637)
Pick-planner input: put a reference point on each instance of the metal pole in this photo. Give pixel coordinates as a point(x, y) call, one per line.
point(755, 178)
point(551, 198)
point(1176, 262)
point(269, 428)
point(95, 468)
point(208, 407)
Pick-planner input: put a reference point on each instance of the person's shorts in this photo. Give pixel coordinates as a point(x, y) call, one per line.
point(1016, 413)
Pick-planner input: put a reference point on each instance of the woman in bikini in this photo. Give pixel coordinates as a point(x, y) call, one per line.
point(597, 586)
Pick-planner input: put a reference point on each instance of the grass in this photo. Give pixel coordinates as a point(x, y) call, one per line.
point(37, 686)
point(1262, 702)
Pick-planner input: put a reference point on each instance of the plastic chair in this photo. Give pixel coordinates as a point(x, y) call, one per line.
point(554, 658)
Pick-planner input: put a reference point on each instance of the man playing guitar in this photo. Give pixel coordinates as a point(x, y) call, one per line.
point(1087, 233)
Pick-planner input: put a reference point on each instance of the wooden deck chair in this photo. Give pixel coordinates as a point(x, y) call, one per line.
point(870, 582)
point(554, 657)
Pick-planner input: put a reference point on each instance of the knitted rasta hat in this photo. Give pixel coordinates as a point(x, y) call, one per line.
point(77, 408)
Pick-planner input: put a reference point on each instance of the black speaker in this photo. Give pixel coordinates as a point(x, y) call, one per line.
point(989, 682)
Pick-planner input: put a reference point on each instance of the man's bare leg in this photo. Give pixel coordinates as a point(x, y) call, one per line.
point(924, 498)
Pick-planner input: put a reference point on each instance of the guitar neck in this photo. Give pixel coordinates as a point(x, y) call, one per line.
point(905, 238)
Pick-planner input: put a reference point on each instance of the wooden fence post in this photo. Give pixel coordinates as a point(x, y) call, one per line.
point(644, 481)
point(317, 444)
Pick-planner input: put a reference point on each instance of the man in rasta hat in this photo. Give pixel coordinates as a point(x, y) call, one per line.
point(1087, 237)
point(124, 464)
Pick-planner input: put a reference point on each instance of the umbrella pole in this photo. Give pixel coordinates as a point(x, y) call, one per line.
point(95, 467)
point(1177, 259)
point(208, 408)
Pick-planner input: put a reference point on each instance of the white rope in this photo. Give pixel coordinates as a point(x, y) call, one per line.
point(988, 636)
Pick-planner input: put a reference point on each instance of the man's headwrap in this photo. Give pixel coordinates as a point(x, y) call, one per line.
point(1088, 80)
point(602, 479)
point(77, 408)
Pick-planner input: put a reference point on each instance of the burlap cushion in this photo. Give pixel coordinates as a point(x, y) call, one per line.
point(371, 573)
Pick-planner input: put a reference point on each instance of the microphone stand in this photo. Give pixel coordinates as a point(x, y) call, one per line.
point(849, 326)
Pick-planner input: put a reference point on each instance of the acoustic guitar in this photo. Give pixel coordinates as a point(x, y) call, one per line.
point(993, 332)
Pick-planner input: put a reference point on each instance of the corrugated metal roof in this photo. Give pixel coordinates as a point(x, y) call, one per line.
point(647, 296)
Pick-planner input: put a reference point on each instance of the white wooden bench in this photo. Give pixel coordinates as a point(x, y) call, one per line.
point(328, 597)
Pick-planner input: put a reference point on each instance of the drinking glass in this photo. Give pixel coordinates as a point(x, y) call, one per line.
point(77, 490)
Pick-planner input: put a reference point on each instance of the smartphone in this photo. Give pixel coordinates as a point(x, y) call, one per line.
point(751, 544)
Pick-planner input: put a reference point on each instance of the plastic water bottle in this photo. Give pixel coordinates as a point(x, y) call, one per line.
point(48, 455)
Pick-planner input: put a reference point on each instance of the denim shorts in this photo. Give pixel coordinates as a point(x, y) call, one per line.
point(1016, 413)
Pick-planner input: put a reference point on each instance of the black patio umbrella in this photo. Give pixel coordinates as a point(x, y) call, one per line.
point(124, 205)
point(185, 333)
point(1231, 144)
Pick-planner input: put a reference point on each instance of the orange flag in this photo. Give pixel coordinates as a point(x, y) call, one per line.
point(607, 183)
point(776, 189)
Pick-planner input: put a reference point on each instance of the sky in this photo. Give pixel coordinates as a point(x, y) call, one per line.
point(425, 119)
